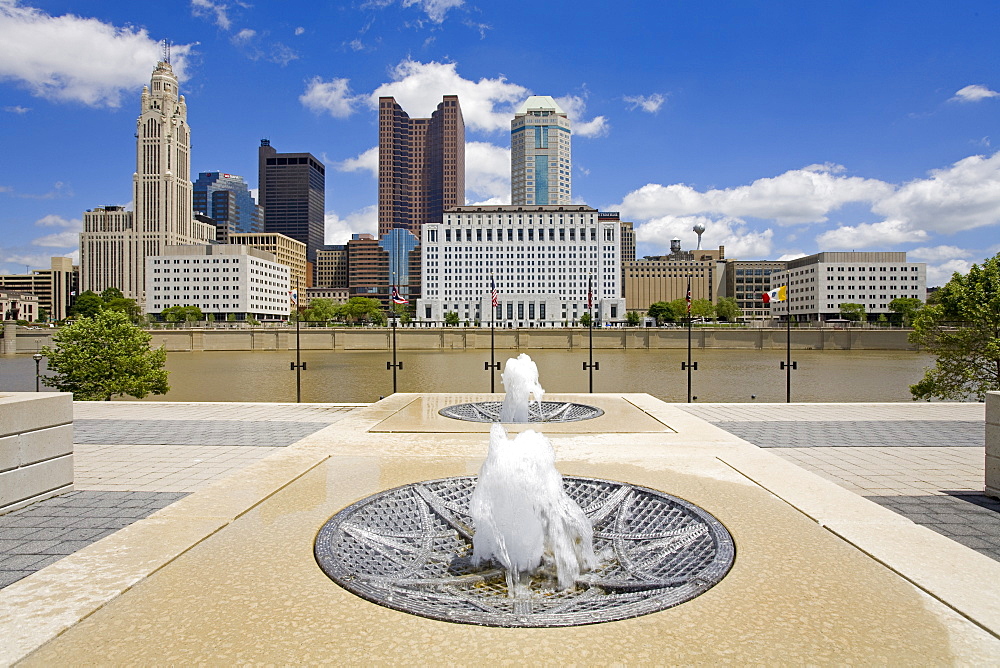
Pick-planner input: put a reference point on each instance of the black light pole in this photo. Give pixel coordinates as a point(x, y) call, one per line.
point(492, 365)
point(788, 364)
point(689, 365)
point(393, 364)
point(38, 360)
point(591, 366)
point(298, 366)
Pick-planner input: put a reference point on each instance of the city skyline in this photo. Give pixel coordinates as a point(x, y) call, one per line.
point(786, 130)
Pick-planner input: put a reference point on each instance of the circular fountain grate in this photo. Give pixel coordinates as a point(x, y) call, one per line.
point(549, 411)
point(409, 549)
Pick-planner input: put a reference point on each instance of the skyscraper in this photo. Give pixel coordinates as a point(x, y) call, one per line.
point(114, 243)
point(292, 192)
point(540, 158)
point(226, 200)
point(421, 165)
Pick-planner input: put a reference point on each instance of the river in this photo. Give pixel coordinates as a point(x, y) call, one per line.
point(362, 377)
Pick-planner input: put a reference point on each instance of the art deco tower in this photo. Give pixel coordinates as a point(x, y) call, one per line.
point(540, 158)
point(114, 243)
point(421, 168)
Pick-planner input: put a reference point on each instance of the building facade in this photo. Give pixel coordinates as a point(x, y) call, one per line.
point(818, 284)
point(54, 287)
point(540, 154)
point(331, 267)
point(665, 278)
point(421, 165)
point(18, 306)
point(226, 199)
point(115, 243)
point(220, 280)
point(546, 262)
point(746, 281)
point(287, 251)
point(292, 193)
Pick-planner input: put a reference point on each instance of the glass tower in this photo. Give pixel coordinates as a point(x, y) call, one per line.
point(540, 159)
point(226, 199)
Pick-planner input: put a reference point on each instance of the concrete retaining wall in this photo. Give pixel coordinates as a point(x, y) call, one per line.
point(36, 447)
point(460, 338)
point(993, 444)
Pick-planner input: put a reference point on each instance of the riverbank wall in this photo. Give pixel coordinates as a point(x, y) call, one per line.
point(456, 338)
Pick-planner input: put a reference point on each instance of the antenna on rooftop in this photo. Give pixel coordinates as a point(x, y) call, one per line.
point(166, 51)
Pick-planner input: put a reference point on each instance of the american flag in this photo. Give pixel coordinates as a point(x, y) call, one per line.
point(590, 294)
point(398, 298)
point(688, 298)
point(494, 295)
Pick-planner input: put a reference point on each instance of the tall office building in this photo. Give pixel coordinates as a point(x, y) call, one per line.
point(421, 165)
point(226, 199)
point(540, 159)
point(114, 243)
point(292, 192)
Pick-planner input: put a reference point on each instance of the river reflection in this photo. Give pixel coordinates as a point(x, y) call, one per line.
point(361, 377)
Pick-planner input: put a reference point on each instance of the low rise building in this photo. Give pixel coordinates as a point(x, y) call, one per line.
point(746, 281)
point(664, 278)
point(547, 263)
point(818, 284)
point(54, 287)
point(286, 250)
point(219, 279)
point(18, 306)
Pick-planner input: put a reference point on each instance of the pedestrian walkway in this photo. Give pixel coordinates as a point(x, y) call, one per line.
point(133, 458)
point(923, 461)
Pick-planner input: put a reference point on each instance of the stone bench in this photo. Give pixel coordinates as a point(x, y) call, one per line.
point(36, 447)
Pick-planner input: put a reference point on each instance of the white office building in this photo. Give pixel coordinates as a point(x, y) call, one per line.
point(818, 284)
point(541, 166)
point(542, 260)
point(219, 279)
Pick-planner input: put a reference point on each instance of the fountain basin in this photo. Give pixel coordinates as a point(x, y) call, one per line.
point(409, 549)
point(544, 411)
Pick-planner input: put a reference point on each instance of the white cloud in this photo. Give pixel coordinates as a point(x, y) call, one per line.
point(487, 104)
point(17, 260)
point(300, 30)
point(974, 93)
point(939, 274)
point(487, 172)
point(58, 240)
point(795, 197)
point(575, 106)
point(243, 36)
point(53, 220)
point(435, 9)
point(648, 103)
point(791, 255)
point(217, 12)
point(870, 235)
point(17, 109)
point(334, 97)
point(362, 221)
point(961, 197)
point(366, 161)
point(72, 58)
point(937, 253)
point(740, 241)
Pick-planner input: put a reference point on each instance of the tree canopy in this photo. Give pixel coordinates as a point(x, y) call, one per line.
point(906, 308)
point(451, 318)
point(662, 312)
point(963, 331)
point(853, 311)
point(728, 309)
point(105, 355)
point(182, 314)
point(632, 318)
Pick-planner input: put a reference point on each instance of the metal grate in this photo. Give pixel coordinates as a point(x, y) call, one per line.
point(409, 549)
point(548, 411)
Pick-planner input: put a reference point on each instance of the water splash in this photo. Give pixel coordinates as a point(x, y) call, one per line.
point(523, 517)
point(520, 380)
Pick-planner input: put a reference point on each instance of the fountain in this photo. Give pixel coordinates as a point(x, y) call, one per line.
point(520, 545)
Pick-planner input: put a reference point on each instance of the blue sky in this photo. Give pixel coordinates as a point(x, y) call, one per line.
point(787, 128)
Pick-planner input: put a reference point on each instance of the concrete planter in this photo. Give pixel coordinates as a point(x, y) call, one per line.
point(993, 444)
point(36, 447)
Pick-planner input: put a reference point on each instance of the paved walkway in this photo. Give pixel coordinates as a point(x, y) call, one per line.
point(923, 461)
point(131, 459)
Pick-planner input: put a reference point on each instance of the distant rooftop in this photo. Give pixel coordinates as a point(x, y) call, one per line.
point(540, 102)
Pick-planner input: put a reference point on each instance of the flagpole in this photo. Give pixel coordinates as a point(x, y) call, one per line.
point(788, 364)
point(689, 365)
point(298, 366)
point(394, 295)
point(492, 364)
point(592, 365)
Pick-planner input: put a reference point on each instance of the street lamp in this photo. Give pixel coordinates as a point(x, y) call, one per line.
point(38, 360)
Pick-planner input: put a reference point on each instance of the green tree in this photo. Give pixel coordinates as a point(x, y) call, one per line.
point(358, 309)
point(86, 305)
point(702, 308)
point(632, 318)
point(727, 309)
point(111, 293)
point(230, 317)
point(853, 311)
point(321, 310)
point(43, 315)
point(963, 331)
point(252, 321)
point(105, 355)
point(906, 308)
point(181, 313)
point(585, 320)
point(403, 312)
point(662, 311)
point(126, 306)
point(451, 319)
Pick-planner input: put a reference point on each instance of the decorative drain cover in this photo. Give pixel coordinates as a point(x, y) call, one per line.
point(549, 411)
point(408, 548)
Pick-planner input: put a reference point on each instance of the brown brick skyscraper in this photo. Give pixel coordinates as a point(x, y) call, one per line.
point(421, 169)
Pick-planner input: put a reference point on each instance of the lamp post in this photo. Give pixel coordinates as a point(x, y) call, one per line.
point(298, 366)
point(591, 365)
point(689, 365)
point(393, 364)
point(38, 360)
